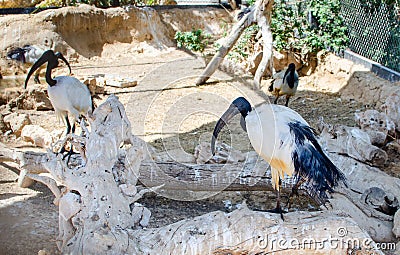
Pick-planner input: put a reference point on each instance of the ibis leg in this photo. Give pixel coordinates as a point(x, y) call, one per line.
point(294, 192)
point(36, 78)
point(68, 131)
point(278, 208)
point(68, 124)
point(287, 101)
point(63, 150)
point(276, 99)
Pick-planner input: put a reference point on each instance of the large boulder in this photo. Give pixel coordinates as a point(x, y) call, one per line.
point(17, 121)
point(35, 98)
point(36, 135)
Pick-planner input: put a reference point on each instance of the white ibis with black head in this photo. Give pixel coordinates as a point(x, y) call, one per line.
point(67, 94)
point(285, 82)
point(286, 141)
point(28, 54)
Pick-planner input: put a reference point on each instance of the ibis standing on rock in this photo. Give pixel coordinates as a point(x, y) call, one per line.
point(67, 94)
point(285, 82)
point(286, 141)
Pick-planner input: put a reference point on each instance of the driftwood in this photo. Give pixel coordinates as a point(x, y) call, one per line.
point(354, 142)
point(99, 213)
point(247, 232)
point(250, 176)
point(260, 13)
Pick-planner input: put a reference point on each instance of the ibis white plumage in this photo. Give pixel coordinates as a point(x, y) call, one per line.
point(287, 142)
point(285, 82)
point(67, 94)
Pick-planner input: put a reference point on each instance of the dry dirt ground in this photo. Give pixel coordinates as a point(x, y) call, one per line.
point(168, 111)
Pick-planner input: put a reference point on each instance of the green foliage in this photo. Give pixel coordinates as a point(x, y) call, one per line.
point(195, 40)
point(292, 29)
point(114, 3)
point(49, 3)
point(244, 45)
point(373, 5)
point(251, 2)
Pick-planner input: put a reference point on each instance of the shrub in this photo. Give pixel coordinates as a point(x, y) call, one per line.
point(195, 40)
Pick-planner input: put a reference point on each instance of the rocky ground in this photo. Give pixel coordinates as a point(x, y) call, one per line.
point(171, 113)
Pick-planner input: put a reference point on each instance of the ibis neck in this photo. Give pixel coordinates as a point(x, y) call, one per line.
point(243, 123)
point(49, 80)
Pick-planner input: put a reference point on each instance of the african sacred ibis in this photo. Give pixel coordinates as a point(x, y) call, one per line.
point(28, 55)
point(286, 141)
point(285, 82)
point(67, 94)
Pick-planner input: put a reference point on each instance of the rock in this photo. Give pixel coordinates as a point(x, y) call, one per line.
point(35, 98)
point(5, 110)
point(396, 224)
point(141, 214)
point(9, 94)
point(223, 154)
point(392, 108)
point(393, 147)
point(17, 121)
point(128, 190)
point(95, 83)
point(41, 100)
point(175, 155)
point(120, 82)
point(378, 199)
point(3, 125)
point(373, 120)
point(168, 2)
point(23, 180)
point(309, 67)
point(365, 87)
point(355, 143)
point(254, 61)
point(36, 135)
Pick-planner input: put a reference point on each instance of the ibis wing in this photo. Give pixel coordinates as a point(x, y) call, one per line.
point(312, 164)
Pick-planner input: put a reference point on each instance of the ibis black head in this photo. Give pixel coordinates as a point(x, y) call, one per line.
point(52, 62)
point(239, 105)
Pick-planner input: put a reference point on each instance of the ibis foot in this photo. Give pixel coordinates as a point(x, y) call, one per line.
point(68, 154)
point(278, 210)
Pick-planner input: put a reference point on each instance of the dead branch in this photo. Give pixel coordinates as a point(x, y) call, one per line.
point(260, 14)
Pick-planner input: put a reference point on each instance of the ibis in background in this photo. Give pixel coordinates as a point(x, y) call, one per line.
point(285, 82)
point(286, 141)
point(27, 55)
point(66, 93)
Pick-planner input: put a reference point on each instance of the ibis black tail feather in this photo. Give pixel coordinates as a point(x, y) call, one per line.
point(312, 165)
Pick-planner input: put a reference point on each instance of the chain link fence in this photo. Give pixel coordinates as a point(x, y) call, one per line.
point(374, 33)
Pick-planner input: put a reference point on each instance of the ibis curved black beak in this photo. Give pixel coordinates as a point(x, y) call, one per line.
point(229, 114)
point(60, 56)
point(47, 55)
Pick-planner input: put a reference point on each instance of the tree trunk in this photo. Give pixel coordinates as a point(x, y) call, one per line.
point(260, 13)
